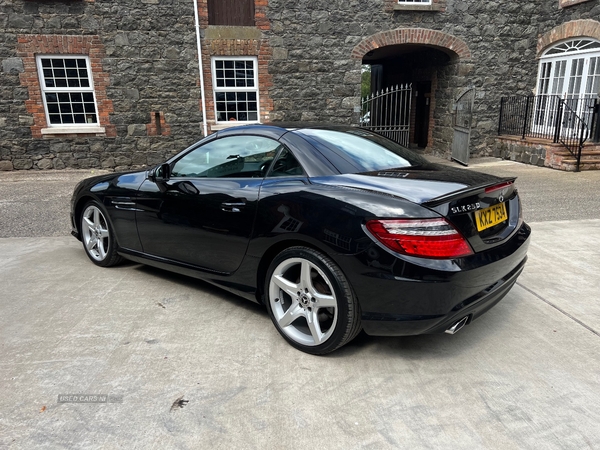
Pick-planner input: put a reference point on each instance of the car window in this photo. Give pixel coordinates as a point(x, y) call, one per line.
point(228, 157)
point(358, 150)
point(285, 165)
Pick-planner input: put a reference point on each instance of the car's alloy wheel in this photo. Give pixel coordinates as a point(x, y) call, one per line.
point(97, 237)
point(310, 301)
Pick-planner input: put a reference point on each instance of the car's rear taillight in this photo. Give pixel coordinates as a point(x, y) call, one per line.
point(426, 238)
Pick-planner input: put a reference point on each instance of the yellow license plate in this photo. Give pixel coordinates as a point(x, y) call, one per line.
point(488, 217)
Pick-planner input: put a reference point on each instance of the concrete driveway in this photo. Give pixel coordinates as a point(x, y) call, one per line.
point(186, 365)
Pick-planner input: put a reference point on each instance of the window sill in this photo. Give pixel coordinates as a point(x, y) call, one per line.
point(404, 7)
point(74, 130)
point(224, 125)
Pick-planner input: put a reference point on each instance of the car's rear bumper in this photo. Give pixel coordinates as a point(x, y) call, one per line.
point(402, 296)
point(472, 308)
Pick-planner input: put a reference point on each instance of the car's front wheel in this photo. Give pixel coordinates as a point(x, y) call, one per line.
point(310, 301)
point(97, 236)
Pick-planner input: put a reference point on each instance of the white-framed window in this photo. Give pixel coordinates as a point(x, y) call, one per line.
point(67, 90)
point(569, 70)
point(414, 2)
point(235, 87)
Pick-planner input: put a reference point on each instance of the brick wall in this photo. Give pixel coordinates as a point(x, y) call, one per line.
point(31, 45)
point(237, 43)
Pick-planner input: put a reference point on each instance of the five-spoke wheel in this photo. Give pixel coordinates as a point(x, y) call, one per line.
point(96, 236)
point(310, 301)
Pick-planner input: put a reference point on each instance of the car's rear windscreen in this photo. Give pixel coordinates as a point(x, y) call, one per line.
point(356, 150)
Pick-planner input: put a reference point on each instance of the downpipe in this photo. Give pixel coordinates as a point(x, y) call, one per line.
point(457, 326)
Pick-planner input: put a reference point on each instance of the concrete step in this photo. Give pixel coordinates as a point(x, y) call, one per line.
point(570, 164)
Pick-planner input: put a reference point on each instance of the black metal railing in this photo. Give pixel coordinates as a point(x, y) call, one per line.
point(569, 121)
point(387, 112)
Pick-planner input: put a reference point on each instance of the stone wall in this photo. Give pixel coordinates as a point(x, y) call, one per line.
point(308, 71)
point(317, 78)
point(149, 60)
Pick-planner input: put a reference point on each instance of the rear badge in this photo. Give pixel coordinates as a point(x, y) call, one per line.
point(465, 208)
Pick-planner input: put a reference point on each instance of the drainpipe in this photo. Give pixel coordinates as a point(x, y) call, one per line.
point(200, 68)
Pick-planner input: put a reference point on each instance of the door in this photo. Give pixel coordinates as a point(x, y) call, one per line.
point(569, 72)
point(204, 214)
point(462, 118)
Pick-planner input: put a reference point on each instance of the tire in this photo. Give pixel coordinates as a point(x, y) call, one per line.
point(310, 301)
point(98, 237)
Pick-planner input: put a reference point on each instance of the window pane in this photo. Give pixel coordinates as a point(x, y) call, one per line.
point(72, 100)
point(231, 83)
point(236, 156)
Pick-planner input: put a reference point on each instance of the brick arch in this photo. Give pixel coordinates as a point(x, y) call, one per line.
point(432, 38)
point(575, 28)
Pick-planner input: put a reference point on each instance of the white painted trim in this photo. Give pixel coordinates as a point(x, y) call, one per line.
point(91, 88)
point(76, 129)
point(200, 69)
point(216, 89)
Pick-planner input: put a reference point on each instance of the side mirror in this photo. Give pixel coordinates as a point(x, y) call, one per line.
point(161, 173)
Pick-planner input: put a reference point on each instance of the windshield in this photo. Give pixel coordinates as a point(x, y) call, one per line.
point(357, 150)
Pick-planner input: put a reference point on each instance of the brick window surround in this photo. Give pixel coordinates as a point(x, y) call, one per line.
point(28, 46)
point(575, 28)
point(257, 47)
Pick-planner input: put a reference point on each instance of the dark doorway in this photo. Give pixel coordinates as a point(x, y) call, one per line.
point(422, 110)
point(414, 65)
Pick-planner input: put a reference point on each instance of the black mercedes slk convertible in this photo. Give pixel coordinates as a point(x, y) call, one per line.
point(333, 229)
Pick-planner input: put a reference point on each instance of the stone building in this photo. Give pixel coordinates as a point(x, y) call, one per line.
point(118, 84)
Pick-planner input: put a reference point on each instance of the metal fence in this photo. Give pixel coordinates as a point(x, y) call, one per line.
point(387, 112)
point(568, 120)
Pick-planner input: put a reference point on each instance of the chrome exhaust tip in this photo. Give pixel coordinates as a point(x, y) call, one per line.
point(457, 326)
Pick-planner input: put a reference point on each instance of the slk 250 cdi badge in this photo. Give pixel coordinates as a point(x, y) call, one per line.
point(333, 229)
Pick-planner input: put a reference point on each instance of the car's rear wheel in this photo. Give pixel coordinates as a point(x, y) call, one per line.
point(310, 301)
point(97, 236)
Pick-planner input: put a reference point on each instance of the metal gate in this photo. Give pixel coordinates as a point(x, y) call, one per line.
point(387, 112)
point(462, 118)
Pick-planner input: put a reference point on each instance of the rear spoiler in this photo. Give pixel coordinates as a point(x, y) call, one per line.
point(464, 192)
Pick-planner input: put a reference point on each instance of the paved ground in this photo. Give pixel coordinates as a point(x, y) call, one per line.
point(525, 375)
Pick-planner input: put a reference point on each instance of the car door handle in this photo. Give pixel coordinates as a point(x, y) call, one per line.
point(232, 206)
